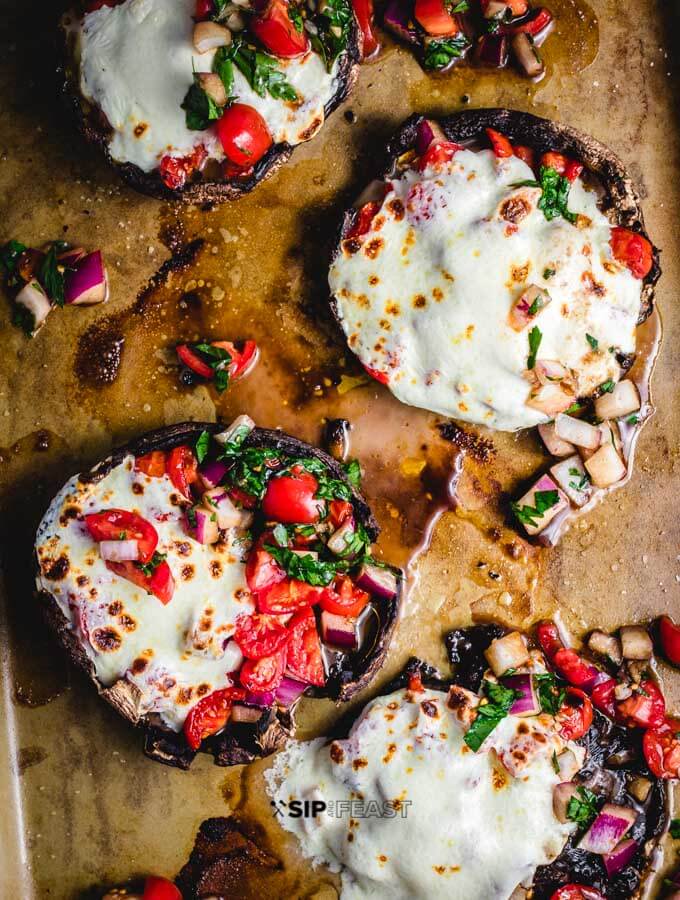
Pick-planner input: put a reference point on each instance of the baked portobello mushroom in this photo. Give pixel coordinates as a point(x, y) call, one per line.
point(496, 270)
point(199, 100)
point(206, 578)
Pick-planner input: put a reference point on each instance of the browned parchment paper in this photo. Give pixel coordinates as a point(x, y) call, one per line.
point(81, 806)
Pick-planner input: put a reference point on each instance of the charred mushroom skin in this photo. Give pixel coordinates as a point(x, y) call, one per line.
point(240, 743)
point(92, 124)
point(620, 201)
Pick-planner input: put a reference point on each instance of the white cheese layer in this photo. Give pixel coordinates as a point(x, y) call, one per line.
point(427, 295)
point(462, 826)
point(174, 654)
point(136, 64)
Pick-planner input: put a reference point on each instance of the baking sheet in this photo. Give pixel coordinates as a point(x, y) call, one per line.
point(82, 806)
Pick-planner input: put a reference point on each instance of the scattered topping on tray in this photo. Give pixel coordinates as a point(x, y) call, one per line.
point(56, 275)
point(220, 362)
point(212, 584)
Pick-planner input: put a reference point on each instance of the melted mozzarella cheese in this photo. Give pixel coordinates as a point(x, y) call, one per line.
point(174, 653)
point(425, 295)
point(136, 64)
point(461, 827)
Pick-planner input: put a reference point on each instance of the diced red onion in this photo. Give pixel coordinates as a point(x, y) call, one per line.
point(636, 642)
point(622, 401)
point(263, 698)
point(397, 19)
point(427, 132)
point(608, 829)
point(289, 691)
point(492, 50)
point(620, 856)
point(568, 764)
point(212, 472)
point(339, 631)
point(562, 795)
point(528, 704)
point(507, 652)
point(232, 660)
point(226, 436)
point(35, 300)
point(218, 502)
point(338, 541)
point(88, 283)
point(527, 55)
point(205, 531)
point(378, 581)
point(374, 192)
point(553, 444)
point(119, 551)
point(544, 484)
point(70, 257)
point(605, 467)
point(596, 677)
point(210, 35)
point(246, 714)
point(572, 477)
point(577, 432)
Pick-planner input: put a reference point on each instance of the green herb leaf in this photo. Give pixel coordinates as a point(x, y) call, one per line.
point(441, 52)
point(149, 568)
point(594, 343)
point(334, 25)
point(280, 534)
point(548, 273)
point(555, 195)
point(260, 70)
point(353, 472)
point(219, 361)
point(303, 567)
point(491, 713)
point(200, 108)
point(633, 420)
point(51, 276)
point(252, 467)
point(202, 446)
point(574, 408)
point(674, 829)
point(461, 7)
point(555, 763)
point(9, 258)
point(531, 515)
point(550, 694)
point(607, 387)
point(537, 305)
point(582, 480)
point(535, 338)
point(582, 809)
point(295, 16)
point(223, 66)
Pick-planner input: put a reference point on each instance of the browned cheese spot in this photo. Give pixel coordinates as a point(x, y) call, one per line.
point(311, 129)
point(107, 640)
point(69, 512)
point(373, 280)
point(137, 488)
point(593, 286)
point(115, 608)
point(430, 709)
point(184, 696)
point(514, 209)
point(351, 246)
point(391, 750)
point(188, 572)
point(359, 763)
point(373, 247)
point(140, 129)
point(396, 207)
point(202, 690)
point(419, 302)
point(127, 623)
point(56, 569)
point(438, 294)
point(215, 568)
point(520, 273)
point(82, 580)
point(139, 665)
point(337, 753)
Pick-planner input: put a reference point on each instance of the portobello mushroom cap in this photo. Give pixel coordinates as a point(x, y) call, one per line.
point(620, 202)
point(94, 126)
point(239, 742)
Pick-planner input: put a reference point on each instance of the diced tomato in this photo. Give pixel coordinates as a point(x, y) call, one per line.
point(549, 639)
point(151, 464)
point(363, 10)
point(572, 668)
point(646, 708)
point(244, 134)
point(156, 888)
point(122, 525)
point(577, 892)
point(533, 26)
point(276, 32)
point(575, 716)
point(437, 153)
point(415, 682)
point(304, 649)
point(288, 596)
point(193, 360)
point(633, 250)
point(518, 7)
point(435, 18)
point(241, 498)
point(210, 715)
point(290, 498)
point(260, 635)
point(562, 164)
point(182, 468)
point(661, 746)
point(603, 697)
point(382, 377)
point(204, 9)
point(160, 583)
point(500, 144)
point(669, 634)
point(339, 512)
point(364, 217)
point(264, 674)
point(525, 153)
point(344, 598)
point(242, 361)
point(175, 170)
point(262, 570)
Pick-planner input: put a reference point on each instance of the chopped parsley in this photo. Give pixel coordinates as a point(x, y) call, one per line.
point(674, 829)
point(531, 515)
point(149, 568)
point(200, 108)
point(461, 7)
point(582, 809)
point(303, 566)
point(51, 274)
point(353, 472)
point(233, 446)
point(594, 343)
point(582, 480)
point(550, 694)
point(329, 488)
point(259, 69)
point(537, 305)
point(633, 420)
point(295, 15)
point(548, 274)
point(9, 259)
point(440, 52)
point(490, 714)
point(607, 387)
point(535, 338)
point(202, 446)
point(251, 469)
point(555, 194)
point(333, 26)
point(218, 360)
point(574, 408)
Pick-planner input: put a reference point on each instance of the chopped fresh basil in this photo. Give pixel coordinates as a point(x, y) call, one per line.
point(329, 488)
point(633, 420)
point(582, 480)
point(295, 16)
point(191, 517)
point(9, 258)
point(582, 809)
point(531, 515)
point(303, 567)
point(202, 446)
point(353, 472)
point(258, 68)
point(607, 387)
point(23, 318)
point(555, 763)
point(219, 360)
point(460, 7)
point(535, 338)
point(574, 408)
point(233, 446)
point(490, 714)
point(555, 197)
point(333, 26)
point(149, 568)
point(548, 274)
point(594, 343)
point(674, 829)
point(537, 305)
point(550, 694)
point(280, 534)
point(251, 469)
point(51, 275)
point(442, 51)
point(355, 542)
point(199, 107)
point(223, 66)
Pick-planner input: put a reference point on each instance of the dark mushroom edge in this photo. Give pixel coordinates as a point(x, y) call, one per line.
point(346, 671)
